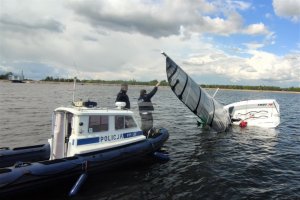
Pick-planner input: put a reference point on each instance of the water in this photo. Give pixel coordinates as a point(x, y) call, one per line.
point(250, 163)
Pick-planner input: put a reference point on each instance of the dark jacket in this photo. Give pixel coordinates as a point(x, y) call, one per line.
point(122, 97)
point(144, 101)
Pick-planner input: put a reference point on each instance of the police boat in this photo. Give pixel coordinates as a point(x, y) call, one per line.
point(85, 139)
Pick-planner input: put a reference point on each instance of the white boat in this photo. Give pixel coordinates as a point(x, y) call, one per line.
point(16, 78)
point(92, 129)
point(85, 140)
point(261, 113)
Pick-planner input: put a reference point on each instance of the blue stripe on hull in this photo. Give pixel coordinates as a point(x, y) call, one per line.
point(107, 138)
point(132, 134)
point(87, 141)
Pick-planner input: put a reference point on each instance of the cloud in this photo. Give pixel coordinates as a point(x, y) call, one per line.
point(14, 24)
point(256, 29)
point(165, 18)
point(288, 9)
point(122, 39)
point(240, 5)
point(254, 45)
point(268, 40)
point(130, 17)
point(259, 66)
point(32, 70)
point(221, 26)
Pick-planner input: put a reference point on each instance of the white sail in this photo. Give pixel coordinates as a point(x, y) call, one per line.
point(211, 112)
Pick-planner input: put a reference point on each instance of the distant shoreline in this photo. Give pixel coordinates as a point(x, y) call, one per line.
point(115, 84)
point(245, 90)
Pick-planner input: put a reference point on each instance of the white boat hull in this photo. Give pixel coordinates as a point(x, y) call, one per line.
point(261, 113)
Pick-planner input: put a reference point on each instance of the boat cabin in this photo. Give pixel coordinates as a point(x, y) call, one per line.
point(84, 128)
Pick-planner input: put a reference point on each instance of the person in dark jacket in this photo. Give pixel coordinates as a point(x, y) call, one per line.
point(122, 96)
point(146, 108)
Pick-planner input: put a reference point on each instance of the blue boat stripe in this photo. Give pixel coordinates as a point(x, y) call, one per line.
point(88, 141)
point(132, 134)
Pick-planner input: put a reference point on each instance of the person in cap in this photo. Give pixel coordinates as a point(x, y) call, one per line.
point(146, 107)
point(122, 95)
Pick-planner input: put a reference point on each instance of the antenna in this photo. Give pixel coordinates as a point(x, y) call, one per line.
point(74, 88)
point(215, 93)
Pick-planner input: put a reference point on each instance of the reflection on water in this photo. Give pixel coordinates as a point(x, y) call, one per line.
point(249, 163)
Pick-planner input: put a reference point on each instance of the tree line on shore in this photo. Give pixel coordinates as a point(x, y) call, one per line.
point(129, 82)
point(248, 87)
point(163, 83)
point(5, 76)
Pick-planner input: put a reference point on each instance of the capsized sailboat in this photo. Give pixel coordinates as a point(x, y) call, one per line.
point(210, 111)
point(260, 112)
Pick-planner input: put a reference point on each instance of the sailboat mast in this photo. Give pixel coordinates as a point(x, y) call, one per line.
point(74, 88)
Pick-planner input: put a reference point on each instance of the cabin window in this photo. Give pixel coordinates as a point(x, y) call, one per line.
point(98, 123)
point(122, 122)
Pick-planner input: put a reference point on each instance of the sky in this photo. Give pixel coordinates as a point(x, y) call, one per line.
point(227, 42)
